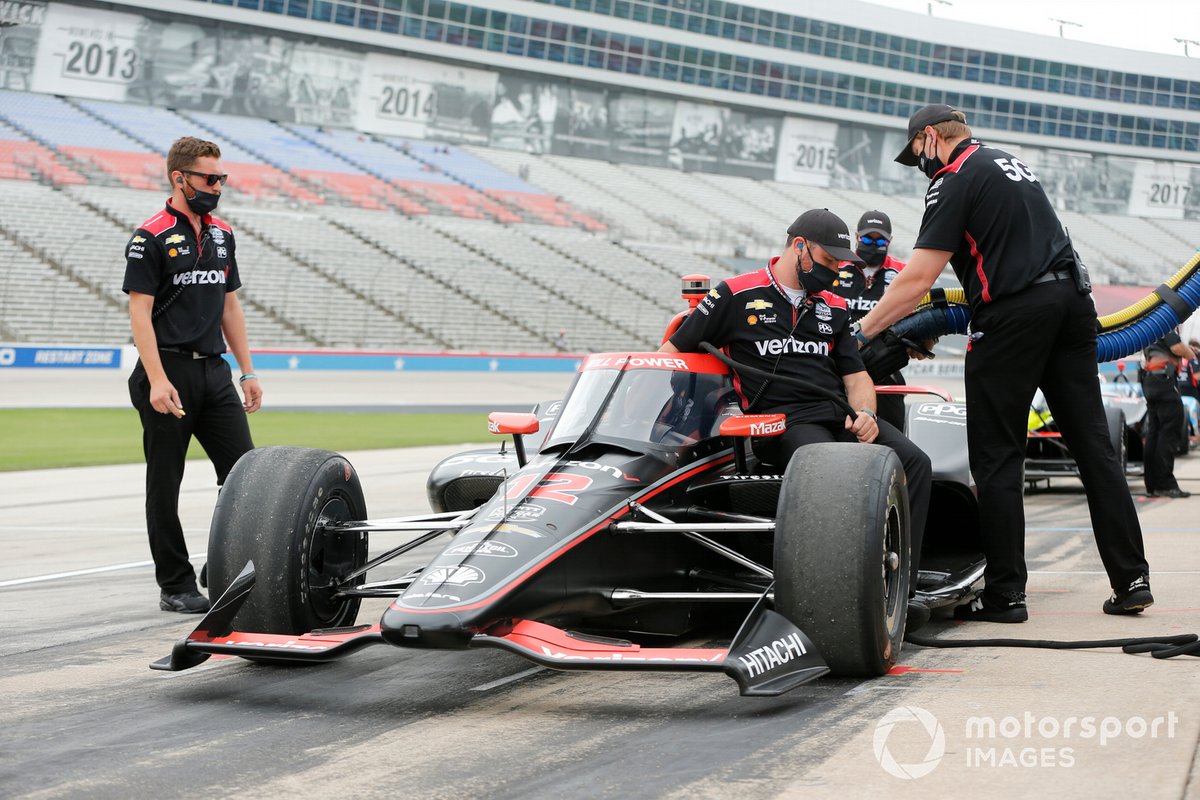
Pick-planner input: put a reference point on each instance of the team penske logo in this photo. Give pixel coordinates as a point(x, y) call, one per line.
point(759, 305)
point(198, 277)
point(173, 239)
point(777, 347)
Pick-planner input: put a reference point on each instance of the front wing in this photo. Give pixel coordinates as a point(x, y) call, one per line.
point(768, 656)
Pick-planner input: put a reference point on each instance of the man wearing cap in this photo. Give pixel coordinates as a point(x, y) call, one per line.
point(863, 284)
point(784, 320)
point(1032, 325)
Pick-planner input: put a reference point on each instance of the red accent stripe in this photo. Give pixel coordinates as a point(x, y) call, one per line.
point(539, 566)
point(159, 223)
point(534, 636)
point(750, 280)
point(975, 254)
point(958, 162)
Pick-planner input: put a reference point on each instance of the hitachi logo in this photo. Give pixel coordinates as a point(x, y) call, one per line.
point(861, 303)
point(791, 345)
point(198, 276)
point(769, 656)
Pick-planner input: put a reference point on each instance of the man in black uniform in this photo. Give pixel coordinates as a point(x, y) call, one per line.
point(181, 276)
point(1032, 324)
point(863, 284)
point(1164, 414)
point(783, 319)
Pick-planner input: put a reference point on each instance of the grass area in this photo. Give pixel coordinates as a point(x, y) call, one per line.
point(48, 438)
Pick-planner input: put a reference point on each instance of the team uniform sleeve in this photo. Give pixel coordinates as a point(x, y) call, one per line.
point(143, 264)
point(946, 209)
point(708, 322)
point(845, 352)
point(233, 281)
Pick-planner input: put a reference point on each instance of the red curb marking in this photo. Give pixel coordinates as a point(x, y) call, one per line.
point(901, 669)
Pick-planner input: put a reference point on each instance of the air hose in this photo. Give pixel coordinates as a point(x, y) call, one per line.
point(1157, 646)
point(1122, 334)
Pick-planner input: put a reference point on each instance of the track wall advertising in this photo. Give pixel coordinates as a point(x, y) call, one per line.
point(1161, 189)
point(807, 152)
point(87, 52)
point(422, 99)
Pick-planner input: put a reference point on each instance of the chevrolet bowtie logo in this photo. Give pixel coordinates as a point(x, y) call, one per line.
point(758, 305)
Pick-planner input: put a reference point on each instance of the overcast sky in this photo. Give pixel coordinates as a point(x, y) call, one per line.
point(1151, 25)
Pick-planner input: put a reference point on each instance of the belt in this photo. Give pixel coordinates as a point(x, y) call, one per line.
point(183, 352)
point(1052, 275)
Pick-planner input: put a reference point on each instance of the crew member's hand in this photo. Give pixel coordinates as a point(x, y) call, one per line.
point(864, 427)
point(917, 354)
point(252, 392)
point(164, 399)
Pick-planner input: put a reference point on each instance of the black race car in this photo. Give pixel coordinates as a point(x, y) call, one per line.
point(630, 527)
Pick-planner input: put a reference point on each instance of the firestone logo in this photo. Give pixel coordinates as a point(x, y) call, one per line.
point(927, 722)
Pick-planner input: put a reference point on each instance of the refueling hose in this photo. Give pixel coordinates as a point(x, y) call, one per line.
point(1185, 644)
point(1121, 334)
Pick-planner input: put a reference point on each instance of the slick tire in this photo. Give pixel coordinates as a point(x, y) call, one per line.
point(271, 511)
point(1115, 418)
point(842, 557)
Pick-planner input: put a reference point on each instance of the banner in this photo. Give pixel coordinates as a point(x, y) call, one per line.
point(749, 145)
point(87, 52)
point(1161, 189)
point(696, 136)
point(20, 25)
point(424, 99)
point(641, 128)
point(807, 152)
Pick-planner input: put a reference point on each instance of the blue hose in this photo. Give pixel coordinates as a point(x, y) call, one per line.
point(930, 323)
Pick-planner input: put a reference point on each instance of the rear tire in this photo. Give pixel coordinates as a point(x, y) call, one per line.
point(271, 511)
point(842, 558)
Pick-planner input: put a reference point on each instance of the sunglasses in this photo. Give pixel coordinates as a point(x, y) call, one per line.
point(210, 178)
point(881, 241)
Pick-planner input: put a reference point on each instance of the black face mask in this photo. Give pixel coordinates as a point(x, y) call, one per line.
point(872, 255)
point(203, 203)
point(930, 165)
point(818, 279)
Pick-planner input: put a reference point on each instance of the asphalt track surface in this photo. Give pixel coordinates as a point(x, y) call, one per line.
point(83, 716)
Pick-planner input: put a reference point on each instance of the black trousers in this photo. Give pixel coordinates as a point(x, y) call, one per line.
point(918, 472)
point(1044, 336)
point(890, 407)
point(214, 415)
point(1164, 427)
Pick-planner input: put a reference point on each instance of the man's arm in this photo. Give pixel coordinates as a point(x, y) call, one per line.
point(1183, 351)
point(163, 397)
point(860, 391)
point(667, 347)
point(909, 286)
point(233, 325)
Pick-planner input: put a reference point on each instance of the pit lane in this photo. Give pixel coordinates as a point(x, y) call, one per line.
point(83, 716)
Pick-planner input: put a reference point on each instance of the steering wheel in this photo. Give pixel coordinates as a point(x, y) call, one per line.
point(806, 388)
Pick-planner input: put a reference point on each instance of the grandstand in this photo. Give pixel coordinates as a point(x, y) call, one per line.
point(431, 234)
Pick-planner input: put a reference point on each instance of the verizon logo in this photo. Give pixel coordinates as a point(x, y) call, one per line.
point(791, 345)
point(861, 303)
point(198, 276)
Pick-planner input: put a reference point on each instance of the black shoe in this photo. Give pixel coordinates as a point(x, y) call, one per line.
point(1005, 607)
point(185, 602)
point(918, 615)
point(1176, 492)
point(1131, 601)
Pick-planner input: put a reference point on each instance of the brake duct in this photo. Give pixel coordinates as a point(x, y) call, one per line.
point(1121, 334)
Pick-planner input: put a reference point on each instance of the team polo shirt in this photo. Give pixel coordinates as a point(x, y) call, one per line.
point(862, 293)
point(988, 209)
point(751, 318)
point(188, 277)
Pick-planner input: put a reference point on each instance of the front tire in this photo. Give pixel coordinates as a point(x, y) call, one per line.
point(842, 554)
point(272, 511)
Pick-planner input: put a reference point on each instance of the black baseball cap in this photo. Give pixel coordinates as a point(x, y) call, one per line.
point(822, 226)
point(929, 115)
point(875, 222)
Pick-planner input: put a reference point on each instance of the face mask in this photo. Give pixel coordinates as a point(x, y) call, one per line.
point(930, 165)
point(872, 255)
point(203, 203)
point(817, 279)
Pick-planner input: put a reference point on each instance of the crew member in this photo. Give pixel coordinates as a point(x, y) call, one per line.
point(863, 284)
point(181, 276)
point(783, 319)
point(1164, 414)
point(1032, 324)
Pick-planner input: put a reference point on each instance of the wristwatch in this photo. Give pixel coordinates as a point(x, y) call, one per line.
point(869, 413)
point(856, 330)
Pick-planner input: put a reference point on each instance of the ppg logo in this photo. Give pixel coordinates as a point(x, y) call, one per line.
point(8, 356)
point(942, 410)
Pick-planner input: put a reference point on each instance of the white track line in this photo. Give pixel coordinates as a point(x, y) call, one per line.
point(483, 687)
point(74, 573)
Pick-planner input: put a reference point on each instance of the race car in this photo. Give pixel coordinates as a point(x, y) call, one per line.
point(1047, 455)
point(629, 527)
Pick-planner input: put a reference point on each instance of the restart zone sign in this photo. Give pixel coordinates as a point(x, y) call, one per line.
point(74, 357)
